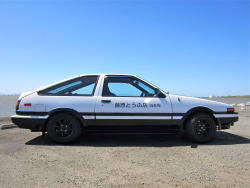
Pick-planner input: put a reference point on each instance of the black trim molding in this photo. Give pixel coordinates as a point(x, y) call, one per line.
point(31, 113)
point(137, 114)
point(29, 123)
point(113, 114)
point(228, 120)
point(101, 114)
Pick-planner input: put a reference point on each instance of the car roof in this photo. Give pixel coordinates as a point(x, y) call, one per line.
point(107, 74)
point(61, 81)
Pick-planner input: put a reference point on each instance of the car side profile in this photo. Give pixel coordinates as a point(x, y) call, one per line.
point(115, 103)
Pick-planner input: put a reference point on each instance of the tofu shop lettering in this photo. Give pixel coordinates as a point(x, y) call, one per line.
point(136, 105)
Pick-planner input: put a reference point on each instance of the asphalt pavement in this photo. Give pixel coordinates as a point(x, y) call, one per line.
point(29, 160)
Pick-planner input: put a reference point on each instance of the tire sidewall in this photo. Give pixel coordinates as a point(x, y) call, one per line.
point(75, 125)
point(191, 128)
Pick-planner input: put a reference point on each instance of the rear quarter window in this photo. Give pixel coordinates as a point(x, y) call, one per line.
point(84, 86)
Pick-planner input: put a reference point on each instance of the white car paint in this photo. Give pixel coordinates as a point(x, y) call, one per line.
point(172, 104)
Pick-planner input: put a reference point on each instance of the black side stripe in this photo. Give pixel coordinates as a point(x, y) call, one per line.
point(106, 114)
point(31, 113)
point(137, 114)
point(117, 114)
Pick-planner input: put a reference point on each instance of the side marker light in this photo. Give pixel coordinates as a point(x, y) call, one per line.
point(230, 109)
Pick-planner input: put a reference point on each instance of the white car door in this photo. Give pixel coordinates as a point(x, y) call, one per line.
point(128, 100)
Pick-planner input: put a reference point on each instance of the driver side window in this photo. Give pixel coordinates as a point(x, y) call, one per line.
point(126, 87)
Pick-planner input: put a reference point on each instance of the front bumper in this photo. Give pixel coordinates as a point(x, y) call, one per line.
point(227, 118)
point(34, 123)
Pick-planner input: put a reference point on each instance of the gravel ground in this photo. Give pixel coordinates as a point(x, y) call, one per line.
point(30, 160)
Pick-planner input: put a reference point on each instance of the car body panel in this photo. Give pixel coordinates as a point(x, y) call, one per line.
point(98, 110)
point(139, 109)
point(181, 104)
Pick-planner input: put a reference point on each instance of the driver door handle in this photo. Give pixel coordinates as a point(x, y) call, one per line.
point(106, 101)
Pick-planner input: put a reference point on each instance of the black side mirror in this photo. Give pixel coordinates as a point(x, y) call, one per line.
point(159, 94)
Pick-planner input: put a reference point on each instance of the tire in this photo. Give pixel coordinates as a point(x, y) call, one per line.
point(63, 128)
point(201, 128)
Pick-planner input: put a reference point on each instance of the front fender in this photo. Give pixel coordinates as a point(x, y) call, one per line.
point(196, 110)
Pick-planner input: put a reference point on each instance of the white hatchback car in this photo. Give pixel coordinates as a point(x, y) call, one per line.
point(112, 103)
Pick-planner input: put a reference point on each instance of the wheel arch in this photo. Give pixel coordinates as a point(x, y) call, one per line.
point(69, 111)
point(195, 110)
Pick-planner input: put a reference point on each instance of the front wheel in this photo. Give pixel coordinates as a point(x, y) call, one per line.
point(63, 128)
point(201, 127)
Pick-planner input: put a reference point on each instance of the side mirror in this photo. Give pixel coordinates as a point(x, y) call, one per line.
point(159, 94)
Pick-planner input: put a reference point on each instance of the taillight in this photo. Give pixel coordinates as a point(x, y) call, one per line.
point(17, 104)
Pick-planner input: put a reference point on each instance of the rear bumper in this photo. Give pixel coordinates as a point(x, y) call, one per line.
point(34, 123)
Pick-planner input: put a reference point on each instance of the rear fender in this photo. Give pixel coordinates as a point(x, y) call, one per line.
point(68, 111)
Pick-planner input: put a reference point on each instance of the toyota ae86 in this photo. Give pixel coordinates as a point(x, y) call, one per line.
point(118, 104)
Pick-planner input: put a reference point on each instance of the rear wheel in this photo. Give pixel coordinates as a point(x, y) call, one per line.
point(63, 128)
point(201, 127)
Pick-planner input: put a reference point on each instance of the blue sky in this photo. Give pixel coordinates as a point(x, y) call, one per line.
point(194, 48)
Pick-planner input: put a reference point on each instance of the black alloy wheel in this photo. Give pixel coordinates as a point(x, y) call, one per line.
point(201, 127)
point(63, 128)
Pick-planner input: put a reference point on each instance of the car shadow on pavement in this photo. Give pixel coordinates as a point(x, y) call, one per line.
point(222, 138)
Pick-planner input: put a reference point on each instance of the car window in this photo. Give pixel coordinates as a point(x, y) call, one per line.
point(88, 90)
point(60, 89)
point(126, 87)
point(146, 88)
point(80, 86)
